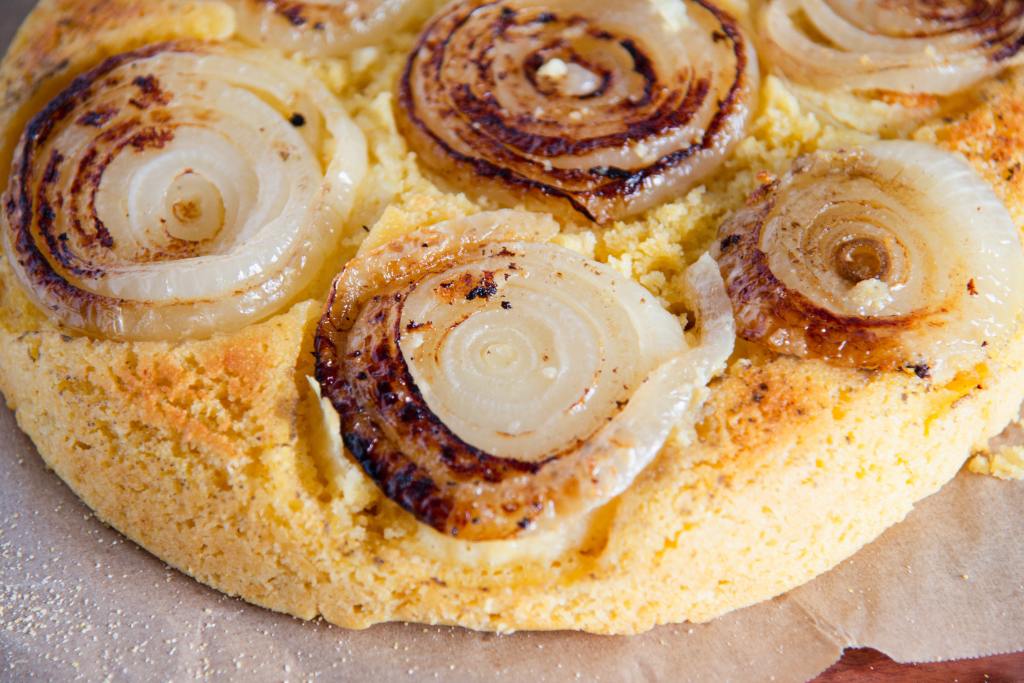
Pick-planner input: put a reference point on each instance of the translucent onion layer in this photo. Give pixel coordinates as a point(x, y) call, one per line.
point(936, 47)
point(893, 256)
point(598, 108)
point(179, 190)
point(328, 28)
point(492, 383)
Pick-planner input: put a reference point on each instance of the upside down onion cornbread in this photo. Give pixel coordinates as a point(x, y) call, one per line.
point(282, 306)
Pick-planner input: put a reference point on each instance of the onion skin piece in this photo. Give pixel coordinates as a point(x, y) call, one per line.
point(461, 490)
point(954, 262)
point(321, 29)
point(656, 125)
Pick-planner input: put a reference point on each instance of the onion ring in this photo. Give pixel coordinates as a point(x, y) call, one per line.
point(893, 256)
point(493, 384)
point(178, 190)
point(937, 47)
point(594, 110)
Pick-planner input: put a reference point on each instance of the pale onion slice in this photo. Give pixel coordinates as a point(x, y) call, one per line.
point(179, 190)
point(919, 47)
point(597, 109)
point(505, 385)
point(321, 28)
point(893, 256)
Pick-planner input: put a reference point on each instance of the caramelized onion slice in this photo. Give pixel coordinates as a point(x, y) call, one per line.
point(179, 190)
point(508, 385)
point(936, 47)
point(321, 28)
point(893, 256)
point(598, 108)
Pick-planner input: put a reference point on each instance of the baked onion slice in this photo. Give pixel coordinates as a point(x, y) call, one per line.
point(893, 256)
point(179, 190)
point(492, 383)
point(321, 28)
point(936, 47)
point(599, 108)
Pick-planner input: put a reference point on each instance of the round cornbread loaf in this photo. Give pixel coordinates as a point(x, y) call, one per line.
point(215, 456)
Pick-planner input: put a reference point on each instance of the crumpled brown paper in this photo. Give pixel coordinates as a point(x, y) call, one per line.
point(78, 601)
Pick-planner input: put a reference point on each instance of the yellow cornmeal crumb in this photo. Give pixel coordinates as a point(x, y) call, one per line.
point(1004, 463)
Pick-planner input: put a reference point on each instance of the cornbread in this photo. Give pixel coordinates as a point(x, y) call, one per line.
point(216, 456)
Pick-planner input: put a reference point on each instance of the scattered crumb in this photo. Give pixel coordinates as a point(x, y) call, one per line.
point(1005, 463)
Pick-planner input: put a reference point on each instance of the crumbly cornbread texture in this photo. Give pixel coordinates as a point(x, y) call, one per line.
point(215, 455)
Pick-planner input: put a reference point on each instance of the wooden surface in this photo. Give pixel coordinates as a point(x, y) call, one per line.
point(869, 666)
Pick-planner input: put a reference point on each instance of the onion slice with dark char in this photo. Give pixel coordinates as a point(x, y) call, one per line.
point(893, 256)
point(324, 28)
point(937, 47)
point(597, 109)
point(179, 190)
point(493, 384)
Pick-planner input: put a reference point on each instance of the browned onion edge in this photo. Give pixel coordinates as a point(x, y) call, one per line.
point(630, 182)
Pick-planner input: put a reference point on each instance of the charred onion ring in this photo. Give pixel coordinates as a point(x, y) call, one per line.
point(601, 108)
point(178, 190)
point(937, 47)
point(320, 28)
point(893, 256)
point(491, 383)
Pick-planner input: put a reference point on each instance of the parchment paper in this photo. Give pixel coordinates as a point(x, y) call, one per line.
point(79, 602)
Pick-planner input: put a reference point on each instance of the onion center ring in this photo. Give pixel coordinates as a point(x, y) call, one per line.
point(862, 259)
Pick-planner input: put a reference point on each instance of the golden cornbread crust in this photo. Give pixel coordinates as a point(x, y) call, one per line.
point(211, 454)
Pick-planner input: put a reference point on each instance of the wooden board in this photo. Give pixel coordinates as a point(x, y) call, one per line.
point(870, 666)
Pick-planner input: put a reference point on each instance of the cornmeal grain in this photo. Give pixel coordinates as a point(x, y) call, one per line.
point(214, 454)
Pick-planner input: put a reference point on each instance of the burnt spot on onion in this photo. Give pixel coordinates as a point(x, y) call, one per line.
point(150, 93)
point(97, 118)
point(151, 138)
point(485, 288)
point(468, 286)
point(922, 370)
point(292, 11)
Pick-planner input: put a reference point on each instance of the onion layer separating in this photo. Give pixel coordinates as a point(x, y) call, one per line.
point(598, 108)
point(897, 255)
point(491, 383)
point(179, 190)
point(322, 28)
point(936, 47)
